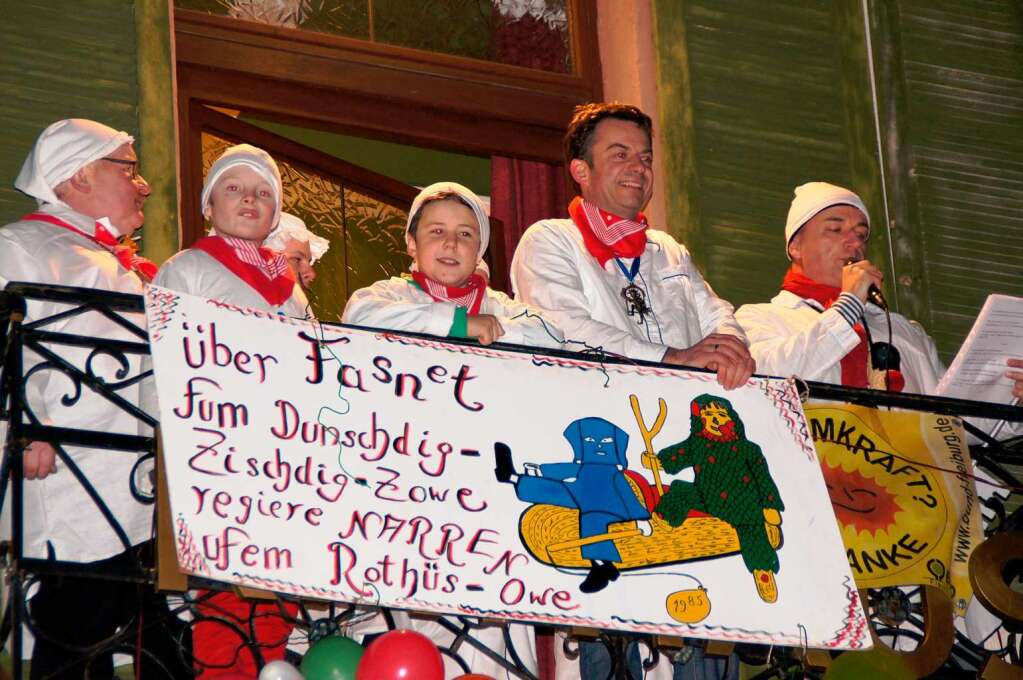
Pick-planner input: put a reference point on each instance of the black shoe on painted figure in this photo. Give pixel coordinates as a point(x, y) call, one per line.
point(601, 573)
point(505, 467)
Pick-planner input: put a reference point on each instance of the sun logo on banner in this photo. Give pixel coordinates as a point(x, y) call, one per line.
point(861, 503)
point(892, 510)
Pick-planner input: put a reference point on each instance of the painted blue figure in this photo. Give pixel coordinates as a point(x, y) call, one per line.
point(594, 482)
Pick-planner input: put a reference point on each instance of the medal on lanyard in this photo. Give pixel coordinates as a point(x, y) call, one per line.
point(635, 298)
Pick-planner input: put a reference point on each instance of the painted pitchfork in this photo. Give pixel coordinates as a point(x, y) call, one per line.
point(649, 458)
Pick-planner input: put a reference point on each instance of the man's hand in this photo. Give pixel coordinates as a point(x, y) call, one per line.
point(485, 328)
point(858, 277)
point(644, 526)
point(1016, 377)
point(725, 354)
point(39, 460)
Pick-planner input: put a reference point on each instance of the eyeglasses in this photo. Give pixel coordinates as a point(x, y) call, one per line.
point(123, 161)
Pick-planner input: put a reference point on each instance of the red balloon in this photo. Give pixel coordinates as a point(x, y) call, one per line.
point(401, 655)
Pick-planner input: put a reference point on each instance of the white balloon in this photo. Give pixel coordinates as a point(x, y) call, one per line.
point(279, 670)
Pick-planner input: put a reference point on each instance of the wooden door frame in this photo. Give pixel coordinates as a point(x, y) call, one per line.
point(396, 94)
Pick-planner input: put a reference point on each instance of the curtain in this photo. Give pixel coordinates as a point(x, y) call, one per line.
point(523, 192)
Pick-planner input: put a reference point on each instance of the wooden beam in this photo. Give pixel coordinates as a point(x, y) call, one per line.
point(346, 112)
point(381, 91)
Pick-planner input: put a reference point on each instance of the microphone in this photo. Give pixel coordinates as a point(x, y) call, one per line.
point(874, 293)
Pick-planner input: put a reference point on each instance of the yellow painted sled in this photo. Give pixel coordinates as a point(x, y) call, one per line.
point(551, 533)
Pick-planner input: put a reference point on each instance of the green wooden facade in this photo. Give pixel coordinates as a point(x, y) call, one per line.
point(919, 109)
point(108, 60)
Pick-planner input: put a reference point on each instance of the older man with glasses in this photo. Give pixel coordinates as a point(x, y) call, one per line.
point(85, 180)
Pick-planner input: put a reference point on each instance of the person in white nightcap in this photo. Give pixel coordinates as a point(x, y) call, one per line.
point(85, 180)
point(241, 199)
point(444, 294)
point(817, 326)
point(821, 324)
point(301, 247)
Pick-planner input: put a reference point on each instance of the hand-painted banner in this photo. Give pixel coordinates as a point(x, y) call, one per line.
point(344, 464)
point(903, 491)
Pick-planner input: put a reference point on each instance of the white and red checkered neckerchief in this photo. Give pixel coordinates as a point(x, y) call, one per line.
point(469, 296)
point(607, 235)
point(265, 270)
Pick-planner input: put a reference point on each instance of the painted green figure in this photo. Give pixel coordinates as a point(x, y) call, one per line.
point(732, 483)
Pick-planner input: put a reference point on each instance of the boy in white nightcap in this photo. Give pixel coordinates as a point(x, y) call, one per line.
point(85, 180)
point(447, 233)
point(241, 198)
point(301, 247)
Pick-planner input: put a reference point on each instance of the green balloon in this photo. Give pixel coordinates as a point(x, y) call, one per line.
point(332, 658)
point(879, 663)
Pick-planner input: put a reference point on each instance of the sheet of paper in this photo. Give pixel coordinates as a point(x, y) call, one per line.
point(978, 370)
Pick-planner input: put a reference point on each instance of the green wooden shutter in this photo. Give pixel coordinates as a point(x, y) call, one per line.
point(61, 60)
point(85, 59)
point(960, 63)
point(756, 98)
point(771, 95)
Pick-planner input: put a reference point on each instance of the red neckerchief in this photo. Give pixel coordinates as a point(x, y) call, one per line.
point(469, 296)
point(271, 277)
point(607, 235)
point(125, 254)
point(854, 364)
